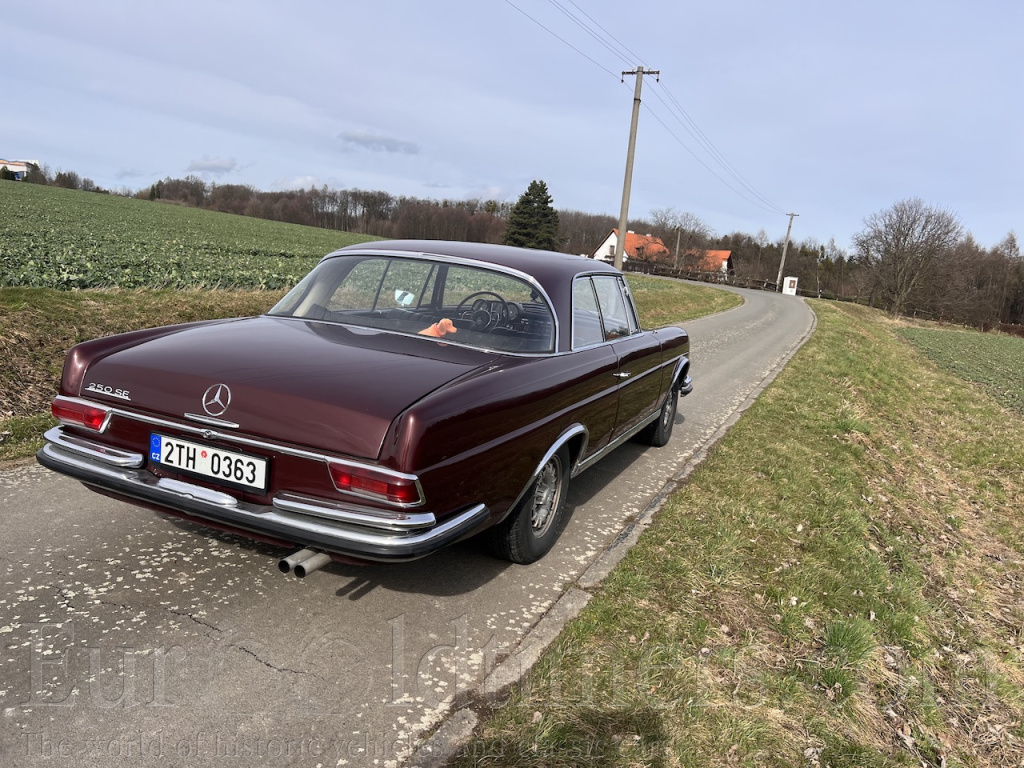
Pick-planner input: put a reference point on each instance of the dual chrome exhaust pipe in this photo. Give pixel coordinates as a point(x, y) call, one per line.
point(303, 562)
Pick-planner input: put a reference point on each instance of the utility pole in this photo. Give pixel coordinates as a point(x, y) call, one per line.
point(620, 241)
point(782, 264)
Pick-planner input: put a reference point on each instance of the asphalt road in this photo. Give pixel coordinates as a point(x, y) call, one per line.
point(128, 637)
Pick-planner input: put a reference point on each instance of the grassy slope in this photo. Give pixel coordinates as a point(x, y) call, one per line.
point(669, 302)
point(840, 583)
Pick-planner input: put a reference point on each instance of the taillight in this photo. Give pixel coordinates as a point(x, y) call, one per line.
point(374, 484)
point(79, 413)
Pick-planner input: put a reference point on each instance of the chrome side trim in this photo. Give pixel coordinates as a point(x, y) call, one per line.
point(616, 443)
point(85, 447)
point(397, 522)
point(202, 419)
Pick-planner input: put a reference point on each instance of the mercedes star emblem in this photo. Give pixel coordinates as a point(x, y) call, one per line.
point(216, 399)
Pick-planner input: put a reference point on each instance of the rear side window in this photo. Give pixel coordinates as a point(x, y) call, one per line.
point(586, 316)
point(613, 307)
point(601, 310)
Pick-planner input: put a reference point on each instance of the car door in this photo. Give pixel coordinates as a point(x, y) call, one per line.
point(639, 355)
point(593, 355)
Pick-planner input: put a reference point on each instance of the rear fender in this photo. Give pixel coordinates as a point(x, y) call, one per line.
point(576, 438)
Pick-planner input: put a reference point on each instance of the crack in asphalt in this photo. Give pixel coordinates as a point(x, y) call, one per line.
point(200, 622)
point(266, 663)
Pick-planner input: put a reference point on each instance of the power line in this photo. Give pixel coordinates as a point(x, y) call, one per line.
point(616, 48)
point(561, 39)
point(707, 167)
point(632, 56)
point(691, 127)
point(610, 48)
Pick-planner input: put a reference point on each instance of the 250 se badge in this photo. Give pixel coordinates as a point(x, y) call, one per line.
point(403, 396)
point(103, 389)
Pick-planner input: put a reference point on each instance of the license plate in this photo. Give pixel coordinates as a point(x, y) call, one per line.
point(237, 469)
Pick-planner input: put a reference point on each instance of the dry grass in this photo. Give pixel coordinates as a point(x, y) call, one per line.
point(39, 325)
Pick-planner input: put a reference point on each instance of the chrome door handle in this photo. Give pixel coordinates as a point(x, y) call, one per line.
point(623, 375)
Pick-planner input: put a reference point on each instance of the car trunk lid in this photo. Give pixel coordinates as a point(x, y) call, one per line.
point(325, 386)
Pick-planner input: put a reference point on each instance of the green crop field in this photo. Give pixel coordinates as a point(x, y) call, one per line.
point(58, 238)
point(996, 363)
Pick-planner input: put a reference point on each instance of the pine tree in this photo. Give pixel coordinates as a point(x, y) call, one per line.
point(533, 222)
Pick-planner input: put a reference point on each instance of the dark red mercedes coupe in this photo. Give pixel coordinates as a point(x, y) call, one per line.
point(403, 396)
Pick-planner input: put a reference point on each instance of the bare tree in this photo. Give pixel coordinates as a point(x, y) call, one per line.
point(580, 232)
point(684, 233)
point(900, 244)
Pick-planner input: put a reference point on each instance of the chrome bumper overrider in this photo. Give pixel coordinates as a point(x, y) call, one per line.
point(686, 387)
point(323, 524)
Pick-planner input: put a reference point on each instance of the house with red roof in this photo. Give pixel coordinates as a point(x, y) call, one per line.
point(715, 261)
point(639, 247)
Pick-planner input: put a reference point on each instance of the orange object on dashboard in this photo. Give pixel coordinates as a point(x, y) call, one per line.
point(440, 328)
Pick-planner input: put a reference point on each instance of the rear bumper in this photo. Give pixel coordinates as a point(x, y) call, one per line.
point(322, 524)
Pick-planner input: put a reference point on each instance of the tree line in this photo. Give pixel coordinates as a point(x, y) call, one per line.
point(911, 258)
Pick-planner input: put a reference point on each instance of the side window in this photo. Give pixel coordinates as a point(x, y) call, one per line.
point(613, 307)
point(405, 284)
point(631, 313)
point(358, 290)
point(586, 317)
point(464, 281)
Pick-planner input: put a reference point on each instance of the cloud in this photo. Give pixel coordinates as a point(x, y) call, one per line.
point(213, 165)
point(131, 173)
point(298, 182)
point(377, 143)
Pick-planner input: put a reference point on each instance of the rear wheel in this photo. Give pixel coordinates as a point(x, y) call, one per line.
point(534, 526)
point(658, 433)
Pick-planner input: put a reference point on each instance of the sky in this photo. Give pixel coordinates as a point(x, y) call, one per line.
point(830, 110)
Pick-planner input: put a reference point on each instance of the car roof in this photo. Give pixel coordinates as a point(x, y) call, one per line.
point(551, 269)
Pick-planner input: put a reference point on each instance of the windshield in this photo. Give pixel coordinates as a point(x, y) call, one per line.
point(472, 306)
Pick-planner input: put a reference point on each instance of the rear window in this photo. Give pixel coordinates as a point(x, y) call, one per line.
point(472, 306)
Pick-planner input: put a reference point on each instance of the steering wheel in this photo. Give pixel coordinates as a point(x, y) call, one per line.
point(479, 311)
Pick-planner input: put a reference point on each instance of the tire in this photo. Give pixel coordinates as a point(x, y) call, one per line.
point(533, 527)
point(658, 433)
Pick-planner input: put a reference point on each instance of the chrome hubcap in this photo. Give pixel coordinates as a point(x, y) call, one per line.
point(546, 496)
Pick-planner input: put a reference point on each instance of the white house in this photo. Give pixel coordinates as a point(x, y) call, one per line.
point(19, 168)
point(644, 247)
